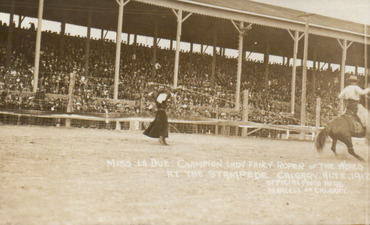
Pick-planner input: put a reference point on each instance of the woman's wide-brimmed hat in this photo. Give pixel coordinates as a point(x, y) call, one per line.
point(352, 78)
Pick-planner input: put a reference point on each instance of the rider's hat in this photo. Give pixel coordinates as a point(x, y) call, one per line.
point(352, 79)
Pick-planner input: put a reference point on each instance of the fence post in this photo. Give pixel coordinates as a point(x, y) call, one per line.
point(141, 104)
point(107, 124)
point(20, 107)
point(318, 112)
point(70, 96)
point(118, 125)
point(245, 112)
point(216, 127)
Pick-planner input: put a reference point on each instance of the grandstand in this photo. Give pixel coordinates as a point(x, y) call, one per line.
point(225, 109)
point(93, 94)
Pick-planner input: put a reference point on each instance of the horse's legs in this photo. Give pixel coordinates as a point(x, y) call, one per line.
point(348, 142)
point(333, 147)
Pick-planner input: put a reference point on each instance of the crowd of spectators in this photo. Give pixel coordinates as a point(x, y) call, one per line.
point(93, 90)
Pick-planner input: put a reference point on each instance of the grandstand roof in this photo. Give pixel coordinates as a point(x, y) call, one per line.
point(270, 24)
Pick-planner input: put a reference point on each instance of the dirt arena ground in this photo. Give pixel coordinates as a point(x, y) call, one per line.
point(89, 176)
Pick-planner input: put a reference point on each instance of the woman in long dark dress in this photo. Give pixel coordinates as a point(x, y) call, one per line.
point(159, 127)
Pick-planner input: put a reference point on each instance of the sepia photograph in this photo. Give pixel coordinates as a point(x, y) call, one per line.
point(209, 112)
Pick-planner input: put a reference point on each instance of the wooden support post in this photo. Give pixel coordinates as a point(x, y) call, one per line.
point(70, 96)
point(8, 56)
point(107, 121)
point(304, 80)
point(118, 125)
point(87, 44)
point(19, 120)
point(342, 72)
point(142, 101)
point(177, 53)
point(245, 112)
point(20, 107)
point(318, 112)
point(118, 49)
point(314, 70)
point(366, 73)
point(216, 128)
point(154, 59)
point(134, 47)
point(294, 70)
point(214, 59)
point(38, 46)
point(266, 59)
point(62, 38)
point(180, 20)
point(20, 21)
point(223, 130)
point(239, 68)
point(344, 46)
point(134, 125)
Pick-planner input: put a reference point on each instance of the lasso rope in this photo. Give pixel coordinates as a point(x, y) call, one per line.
point(190, 90)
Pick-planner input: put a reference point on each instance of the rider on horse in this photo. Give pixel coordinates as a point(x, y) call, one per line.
point(344, 127)
point(351, 94)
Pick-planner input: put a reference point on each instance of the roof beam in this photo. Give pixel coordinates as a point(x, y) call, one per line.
point(261, 19)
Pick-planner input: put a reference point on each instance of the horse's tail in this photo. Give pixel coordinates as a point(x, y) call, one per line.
point(321, 138)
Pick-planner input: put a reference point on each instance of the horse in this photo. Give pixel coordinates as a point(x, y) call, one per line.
point(342, 129)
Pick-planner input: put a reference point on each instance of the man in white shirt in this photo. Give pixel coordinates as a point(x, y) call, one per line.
point(351, 95)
